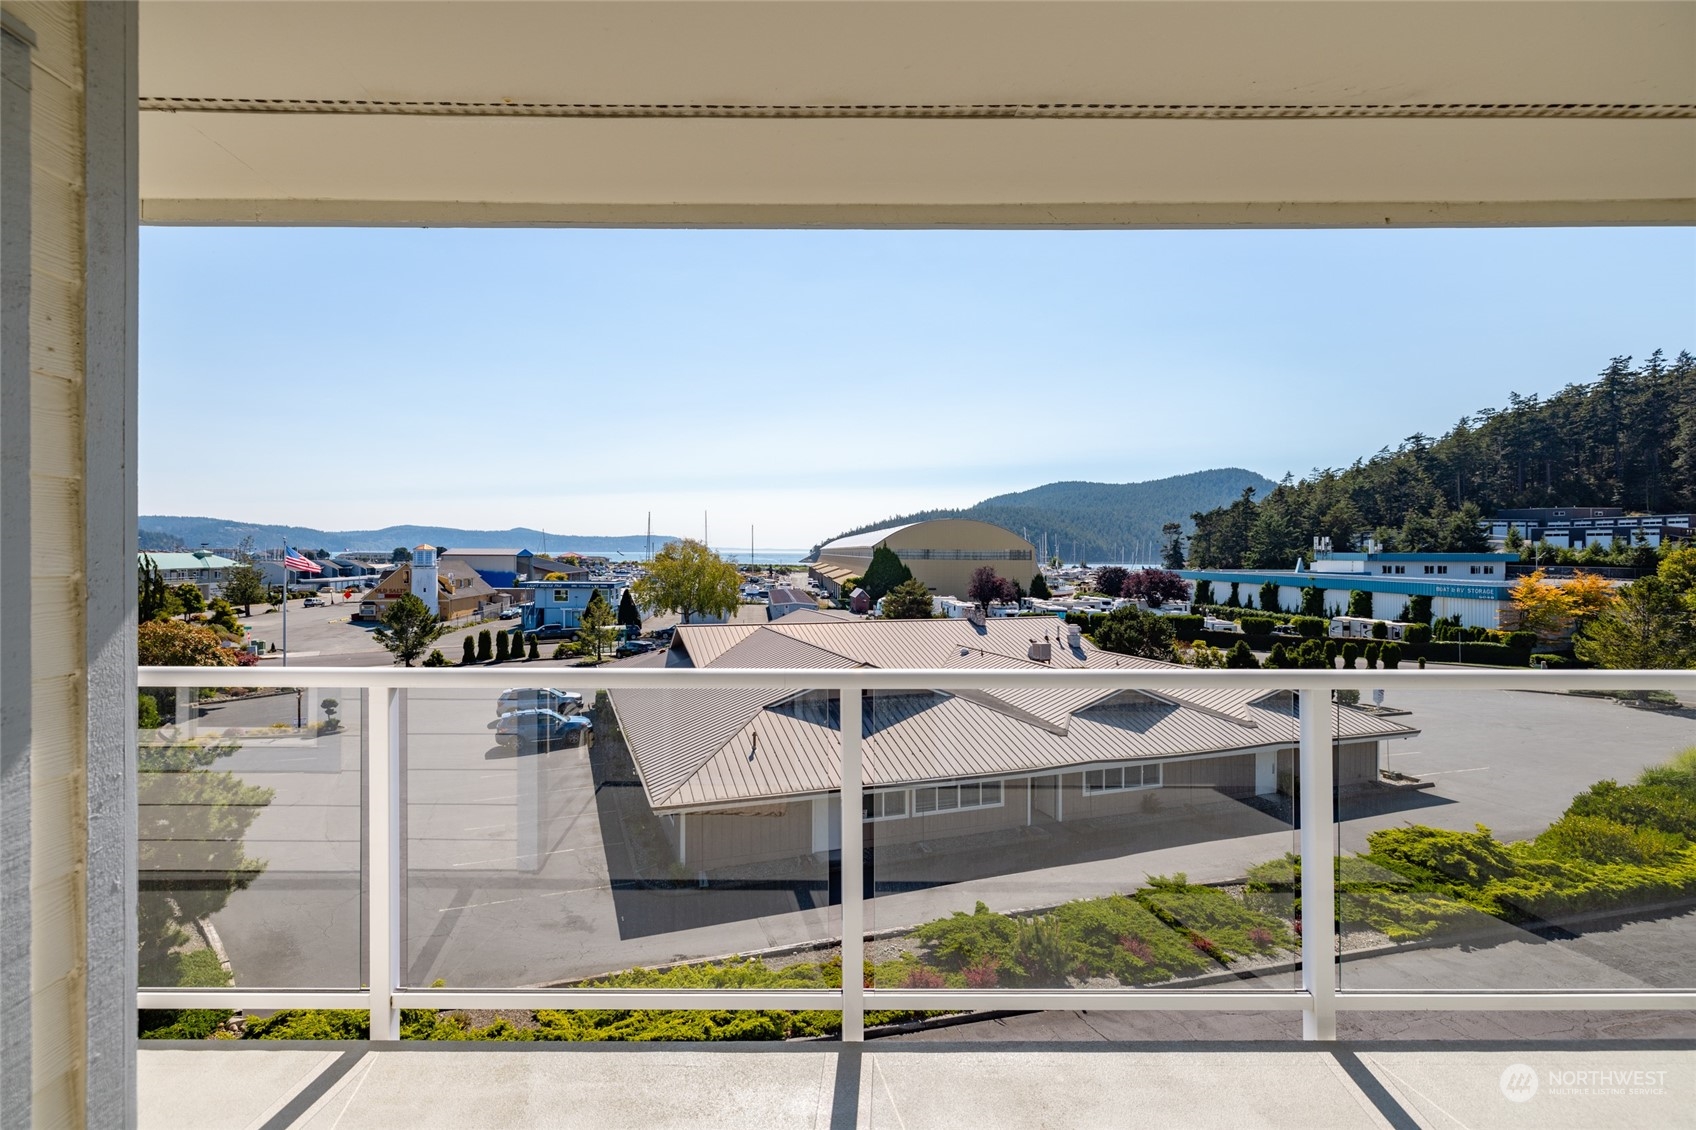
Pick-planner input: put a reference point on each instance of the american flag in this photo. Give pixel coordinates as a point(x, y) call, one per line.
point(293, 560)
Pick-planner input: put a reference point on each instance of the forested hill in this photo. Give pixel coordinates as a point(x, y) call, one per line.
point(1105, 520)
point(1626, 439)
point(161, 532)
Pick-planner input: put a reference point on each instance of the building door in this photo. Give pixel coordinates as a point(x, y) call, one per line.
point(1045, 799)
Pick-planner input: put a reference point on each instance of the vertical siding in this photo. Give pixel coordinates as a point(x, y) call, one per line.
point(724, 839)
point(58, 839)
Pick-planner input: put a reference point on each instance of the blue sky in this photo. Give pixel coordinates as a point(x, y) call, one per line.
point(806, 382)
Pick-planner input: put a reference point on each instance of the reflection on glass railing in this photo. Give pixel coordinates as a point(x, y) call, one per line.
point(249, 841)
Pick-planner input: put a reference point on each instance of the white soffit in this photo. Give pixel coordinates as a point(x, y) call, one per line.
point(889, 112)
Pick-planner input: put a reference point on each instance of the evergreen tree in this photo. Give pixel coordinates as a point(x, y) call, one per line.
point(502, 641)
point(1039, 587)
point(1269, 597)
point(1241, 658)
point(534, 652)
point(483, 646)
point(909, 600)
point(408, 628)
point(244, 585)
point(1360, 603)
point(629, 616)
point(1172, 556)
point(470, 655)
point(884, 573)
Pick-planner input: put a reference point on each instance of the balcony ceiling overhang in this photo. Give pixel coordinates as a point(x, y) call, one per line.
point(896, 113)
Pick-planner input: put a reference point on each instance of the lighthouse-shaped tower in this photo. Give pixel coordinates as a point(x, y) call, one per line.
point(424, 577)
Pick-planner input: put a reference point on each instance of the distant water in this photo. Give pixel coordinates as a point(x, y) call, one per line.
point(761, 554)
point(730, 553)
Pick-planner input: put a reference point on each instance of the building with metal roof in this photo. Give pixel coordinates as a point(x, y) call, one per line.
point(941, 764)
point(205, 571)
point(943, 553)
point(1474, 586)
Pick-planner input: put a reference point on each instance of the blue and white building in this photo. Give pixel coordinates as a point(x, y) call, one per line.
point(1473, 586)
point(561, 603)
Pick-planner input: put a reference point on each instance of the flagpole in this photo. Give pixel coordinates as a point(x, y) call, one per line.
point(285, 564)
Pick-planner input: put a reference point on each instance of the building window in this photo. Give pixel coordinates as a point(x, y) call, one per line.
point(561, 596)
point(1121, 778)
point(957, 797)
point(885, 805)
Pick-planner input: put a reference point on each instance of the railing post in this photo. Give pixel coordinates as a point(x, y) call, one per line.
point(382, 783)
point(853, 874)
point(1315, 787)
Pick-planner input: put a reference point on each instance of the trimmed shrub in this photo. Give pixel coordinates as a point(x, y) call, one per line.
point(1380, 630)
point(562, 651)
point(1418, 610)
point(1417, 633)
point(1371, 655)
point(1241, 658)
point(1391, 655)
point(535, 649)
point(1332, 650)
point(1269, 599)
point(1204, 592)
point(435, 658)
point(501, 641)
point(1184, 627)
point(470, 655)
point(1360, 603)
point(1313, 601)
point(483, 646)
point(1349, 653)
point(1521, 641)
point(1256, 625)
point(1310, 627)
point(1233, 601)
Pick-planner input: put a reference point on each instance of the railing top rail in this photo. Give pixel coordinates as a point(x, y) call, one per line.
point(864, 678)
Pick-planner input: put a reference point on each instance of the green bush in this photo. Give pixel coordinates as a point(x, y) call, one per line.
point(1521, 641)
point(1313, 601)
point(1310, 627)
point(1653, 804)
point(1269, 598)
point(310, 1024)
point(470, 655)
point(484, 650)
point(535, 651)
point(1417, 633)
point(1371, 654)
point(1360, 603)
point(1390, 654)
point(1380, 630)
point(1349, 653)
point(1597, 839)
point(147, 712)
point(1240, 657)
point(501, 642)
point(1418, 610)
point(435, 658)
point(1185, 627)
point(1203, 592)
point(1257, 625)
point(1233, 601)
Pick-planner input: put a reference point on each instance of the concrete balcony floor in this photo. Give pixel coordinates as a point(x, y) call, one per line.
point(912, 1084)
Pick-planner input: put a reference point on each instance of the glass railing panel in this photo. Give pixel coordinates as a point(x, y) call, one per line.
point(249, 827)
point(557, 834)
point(1080, 840)
point(1524, 842)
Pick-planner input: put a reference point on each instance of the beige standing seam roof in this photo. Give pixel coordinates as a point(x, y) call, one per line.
point(711, 747)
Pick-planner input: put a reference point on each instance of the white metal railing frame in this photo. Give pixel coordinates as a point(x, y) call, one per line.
point(1319, 998)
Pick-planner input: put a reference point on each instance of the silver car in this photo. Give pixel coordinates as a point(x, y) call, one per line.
point(538, 698)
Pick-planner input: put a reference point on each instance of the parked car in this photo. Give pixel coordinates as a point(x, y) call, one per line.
point(511, 613)
point(537, 731)
point(314, 602)
point(553, 632)
point(634, 647)
point(1289, 630)
point(538, 698)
